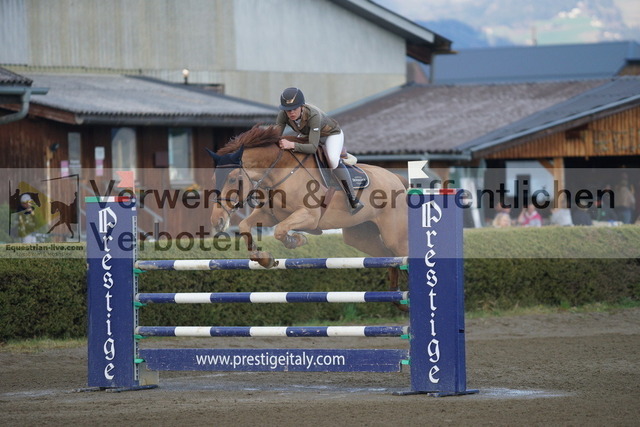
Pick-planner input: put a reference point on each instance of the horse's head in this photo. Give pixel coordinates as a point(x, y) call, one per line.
point(36, 198)
point(230, 188)
point(230, 196)
point(249, 158)
point(224, 165)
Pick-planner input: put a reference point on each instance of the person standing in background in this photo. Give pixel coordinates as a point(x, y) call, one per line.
point(530, 217)
point(625, 200)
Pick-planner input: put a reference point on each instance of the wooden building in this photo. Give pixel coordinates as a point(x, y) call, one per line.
point(585, 144)
point(572, 135)
point(89, 126)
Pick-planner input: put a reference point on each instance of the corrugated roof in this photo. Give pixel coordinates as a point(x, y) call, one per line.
point(9, 78)
point(439, 118)
point(534, 63)
point(623, 92)
point(125, 99)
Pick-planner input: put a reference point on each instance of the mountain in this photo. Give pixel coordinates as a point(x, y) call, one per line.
point(463, 35)
point(477, 23)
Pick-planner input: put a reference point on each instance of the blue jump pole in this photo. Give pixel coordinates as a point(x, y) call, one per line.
point(271, 297)
point(272, 331)
point(281, 264)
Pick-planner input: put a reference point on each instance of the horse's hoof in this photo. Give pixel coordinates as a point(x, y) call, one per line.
point(220, 225)
point(402, 307)
point(302, 239)
point(294, 240)
point(265, 259)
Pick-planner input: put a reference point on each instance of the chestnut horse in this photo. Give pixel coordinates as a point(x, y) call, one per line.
point(287, 191)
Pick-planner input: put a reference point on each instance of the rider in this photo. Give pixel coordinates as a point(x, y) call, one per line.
point(322, 130)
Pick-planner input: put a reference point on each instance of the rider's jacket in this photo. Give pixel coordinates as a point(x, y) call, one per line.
point(314, 123)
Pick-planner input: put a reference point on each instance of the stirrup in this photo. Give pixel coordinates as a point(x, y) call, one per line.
point(355, 204)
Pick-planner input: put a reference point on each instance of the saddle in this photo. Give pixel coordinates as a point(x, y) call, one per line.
point(359, 178)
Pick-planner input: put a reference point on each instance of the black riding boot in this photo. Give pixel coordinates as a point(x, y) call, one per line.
point(342, 174)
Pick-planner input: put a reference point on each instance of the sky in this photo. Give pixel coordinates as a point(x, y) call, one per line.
point(524, 22)
point(432, 10)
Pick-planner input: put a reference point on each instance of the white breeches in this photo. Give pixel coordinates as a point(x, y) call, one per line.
point(333, 149)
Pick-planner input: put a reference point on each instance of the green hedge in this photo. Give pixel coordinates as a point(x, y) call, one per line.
point(498, 284)
point(42, 298)
point(503, 269)
point(551, 265)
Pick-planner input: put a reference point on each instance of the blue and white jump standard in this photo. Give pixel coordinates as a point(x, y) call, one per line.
point(436, 307)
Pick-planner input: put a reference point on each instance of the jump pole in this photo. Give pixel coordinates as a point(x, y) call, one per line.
point(436, 316)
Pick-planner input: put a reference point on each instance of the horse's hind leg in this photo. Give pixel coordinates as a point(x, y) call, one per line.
point(393, 229)
point(366, 237)
point(69, 227)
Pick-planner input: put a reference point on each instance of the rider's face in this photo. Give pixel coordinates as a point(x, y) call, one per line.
point(294, 114)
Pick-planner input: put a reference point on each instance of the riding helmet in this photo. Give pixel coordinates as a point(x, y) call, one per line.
point(291, 98)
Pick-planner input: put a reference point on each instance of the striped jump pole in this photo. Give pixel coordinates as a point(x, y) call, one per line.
point(271, 297)
point(280, 264)
point(436, 316)
point(272, 331)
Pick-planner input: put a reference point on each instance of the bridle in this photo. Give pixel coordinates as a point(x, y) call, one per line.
point(237, 203)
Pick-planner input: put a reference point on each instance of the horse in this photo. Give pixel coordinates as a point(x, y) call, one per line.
point(293, 198)
point(68, 214)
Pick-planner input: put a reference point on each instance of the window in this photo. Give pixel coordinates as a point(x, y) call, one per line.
point(123, 150)
point(180, 171)
point(75, 153)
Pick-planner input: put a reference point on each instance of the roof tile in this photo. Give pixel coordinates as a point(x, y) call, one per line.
point(440, 118)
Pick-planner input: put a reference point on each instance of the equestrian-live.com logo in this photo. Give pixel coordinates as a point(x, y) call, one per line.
point(44, 211)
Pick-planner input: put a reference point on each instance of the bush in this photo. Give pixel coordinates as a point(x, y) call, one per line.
point(524, 267)
point(42, 298)
point(506, 283)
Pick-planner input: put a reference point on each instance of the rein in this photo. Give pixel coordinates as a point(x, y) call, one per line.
point(292, 171)
point(266, 174)
point(258, 183)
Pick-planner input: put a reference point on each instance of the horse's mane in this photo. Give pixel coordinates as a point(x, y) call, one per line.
point(257, 136)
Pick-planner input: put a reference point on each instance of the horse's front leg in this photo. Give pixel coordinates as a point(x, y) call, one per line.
point(257, 218)
point(302, 219)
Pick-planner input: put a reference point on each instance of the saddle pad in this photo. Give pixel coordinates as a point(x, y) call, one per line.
point(359, 178)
